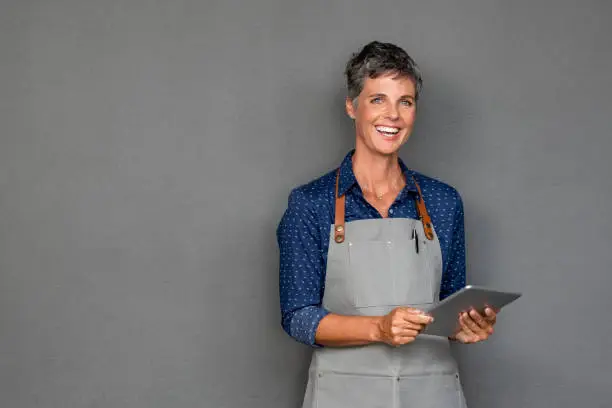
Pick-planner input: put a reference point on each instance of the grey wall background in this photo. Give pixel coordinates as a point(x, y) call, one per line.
point(147, 150)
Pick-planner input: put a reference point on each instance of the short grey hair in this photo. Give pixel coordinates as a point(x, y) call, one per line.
point(376, 59)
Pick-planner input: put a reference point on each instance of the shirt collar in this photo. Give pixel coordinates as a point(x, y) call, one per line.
point(348, 179)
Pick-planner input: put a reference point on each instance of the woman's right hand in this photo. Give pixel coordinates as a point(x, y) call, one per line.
point(402, 325)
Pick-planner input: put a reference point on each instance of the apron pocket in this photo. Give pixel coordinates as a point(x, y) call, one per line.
point(335, 390)
point(431, 391)
point(371, 273)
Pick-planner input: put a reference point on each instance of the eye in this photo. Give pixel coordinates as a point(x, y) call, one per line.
point(407, 102)
point(377, 99)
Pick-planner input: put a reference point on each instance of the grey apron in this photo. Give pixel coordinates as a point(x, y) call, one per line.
point(375, 269)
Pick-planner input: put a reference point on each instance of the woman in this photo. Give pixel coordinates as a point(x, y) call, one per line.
point(365, 248)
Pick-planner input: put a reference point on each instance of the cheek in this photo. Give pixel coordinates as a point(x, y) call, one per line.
point(368, 113)
point(409, 117)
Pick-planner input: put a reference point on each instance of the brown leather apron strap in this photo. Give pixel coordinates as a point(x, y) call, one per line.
point(340, 206)
point(422, 212)
point(339, 217)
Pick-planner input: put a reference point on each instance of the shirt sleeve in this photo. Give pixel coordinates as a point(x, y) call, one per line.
point(453, 277)
point(302, 269)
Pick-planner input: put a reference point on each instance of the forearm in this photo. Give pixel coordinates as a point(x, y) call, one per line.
point(343, 331)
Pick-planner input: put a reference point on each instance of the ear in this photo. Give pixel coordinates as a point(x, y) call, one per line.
point(350, 108)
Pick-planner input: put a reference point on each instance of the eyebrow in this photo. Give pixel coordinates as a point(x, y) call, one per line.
point(401, 97)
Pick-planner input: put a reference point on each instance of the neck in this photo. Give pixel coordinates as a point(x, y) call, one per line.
point(376, 171)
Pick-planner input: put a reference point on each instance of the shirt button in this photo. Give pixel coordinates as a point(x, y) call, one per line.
point(391, 211)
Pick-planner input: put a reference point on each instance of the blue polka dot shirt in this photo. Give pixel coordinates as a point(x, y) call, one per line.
point(304, 230)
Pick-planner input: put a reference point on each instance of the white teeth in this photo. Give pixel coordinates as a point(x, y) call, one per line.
point(386, 129)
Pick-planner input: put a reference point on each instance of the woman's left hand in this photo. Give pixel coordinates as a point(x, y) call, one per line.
point(475, 327)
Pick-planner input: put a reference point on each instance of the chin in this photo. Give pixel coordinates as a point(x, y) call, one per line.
point(387, 148)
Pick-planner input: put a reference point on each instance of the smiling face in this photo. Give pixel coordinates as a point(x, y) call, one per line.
point(384, 113)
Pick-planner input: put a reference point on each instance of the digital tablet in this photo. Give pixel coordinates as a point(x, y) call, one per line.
point(446, 313)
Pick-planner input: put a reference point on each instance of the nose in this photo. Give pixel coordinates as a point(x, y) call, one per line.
point(392, 112)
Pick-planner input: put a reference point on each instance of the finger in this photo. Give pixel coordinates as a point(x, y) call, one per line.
point(471, 324)
point(410, 320)
point(418, 318)
point(410, 330)
point(406, 324)
point(397, 332)
point(401, 340)
point(400, 330)
point(479, 320)
point(465, 335)
point(481, 333)
point(490, 315)
point(410, 310)
point(483, 323)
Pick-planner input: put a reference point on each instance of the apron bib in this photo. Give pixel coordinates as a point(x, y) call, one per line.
point(372, 267)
